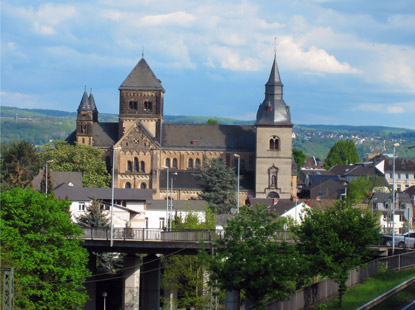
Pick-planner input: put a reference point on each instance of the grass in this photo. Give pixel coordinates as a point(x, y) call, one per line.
point(371, 288)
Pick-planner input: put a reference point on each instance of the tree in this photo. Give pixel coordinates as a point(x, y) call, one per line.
point(252, 258)
point(83, 158)
point(335, 241)
point(299, 158)
point(342, 153)
point(218, 186)
point(358, 190)
point(184, 274)
point(212, 122)
point(42, 244)
point(19, 164)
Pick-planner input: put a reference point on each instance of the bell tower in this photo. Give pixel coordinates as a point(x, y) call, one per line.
point(141, 98)
point(87, 115)
point(273, 142)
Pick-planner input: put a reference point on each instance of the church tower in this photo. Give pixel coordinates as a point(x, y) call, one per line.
point(273, 142)
point(141, 99)
point(87, 115)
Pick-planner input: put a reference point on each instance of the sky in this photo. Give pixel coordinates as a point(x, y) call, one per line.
point(342, 62)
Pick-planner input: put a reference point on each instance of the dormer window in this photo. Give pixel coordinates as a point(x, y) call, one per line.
point(274, 143)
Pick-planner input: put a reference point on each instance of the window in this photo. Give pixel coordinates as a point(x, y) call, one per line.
point(146, 222)
point(407, 176)
point(133, 105)
point(235, 163)
point(135, 164)
point(128, 185)
point(142, 166)
point(190, 163)
point(82, 206)
point(197, 163)
point(274, 143)
point(161, 222)
point(399, 176)
point(148, 106)
point(143, 186)
point(168, 162)
point(129, 165)
point(391, 175)
point(243, 164)
point(174, 163)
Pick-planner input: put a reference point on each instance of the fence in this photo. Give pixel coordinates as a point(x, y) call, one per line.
point(327, 289)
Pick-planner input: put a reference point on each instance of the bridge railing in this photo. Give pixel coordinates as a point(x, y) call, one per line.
point(144, 234)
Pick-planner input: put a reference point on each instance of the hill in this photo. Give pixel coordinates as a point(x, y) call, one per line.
point(40, 126)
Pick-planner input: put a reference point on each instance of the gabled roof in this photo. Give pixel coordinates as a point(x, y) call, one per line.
point(73, 193)
point(410, 191)
point(178, 205)
point(141, 78)
point(105, 135)
point(58, 178)
point(401, 165)
point(203, 136)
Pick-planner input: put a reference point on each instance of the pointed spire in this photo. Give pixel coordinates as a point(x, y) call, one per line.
point(84, 105)
point(92, 101)
point(141, 78)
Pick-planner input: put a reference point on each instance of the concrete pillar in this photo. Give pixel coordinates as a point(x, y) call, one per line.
point(131, 296)
point(91, 287)
point(150, 283)
point(232, 300)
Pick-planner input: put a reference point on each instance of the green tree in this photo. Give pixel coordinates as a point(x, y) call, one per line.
point(42, 244)
point(251, 257)
point(342, 153)
point(19, 164)
point(212, 122)
point(184, 274)
point(358, 190)
point(83, 158)
point(335, 241)
point(218, 186)
point(299, 158)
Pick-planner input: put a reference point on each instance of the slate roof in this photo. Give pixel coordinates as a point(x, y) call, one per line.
point(104, 134)
point(410, 191)
point(141, 78)
point(328, 189)
point(182, 205)
point(88, 193)
point(85, 105)
point(401, 164)
point(203, 136)
point(356, 170)
point(92, 102)
point(58, 178)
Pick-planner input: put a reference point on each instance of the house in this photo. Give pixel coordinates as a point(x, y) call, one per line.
point(326, 188)
point(382, 203)
point(142, 146)
point(129, 204)
point(58, 178)
point(404, 172)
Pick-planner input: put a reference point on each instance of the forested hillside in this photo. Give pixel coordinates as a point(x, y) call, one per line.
point(41, 126)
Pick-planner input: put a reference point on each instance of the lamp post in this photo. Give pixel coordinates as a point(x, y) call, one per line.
point(46, 181)
point(171, 201)
point(167, 195)
point(104, 294)
point(237, 197)
point(393, 198)
point(112, 194)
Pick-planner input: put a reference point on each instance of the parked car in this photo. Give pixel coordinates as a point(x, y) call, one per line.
point(405, 240)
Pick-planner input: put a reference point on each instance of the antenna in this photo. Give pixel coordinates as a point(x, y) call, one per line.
point(275, 45)
point(142, 52)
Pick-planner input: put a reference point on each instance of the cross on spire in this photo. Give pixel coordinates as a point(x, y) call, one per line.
point(142, 52)
point(275, 45)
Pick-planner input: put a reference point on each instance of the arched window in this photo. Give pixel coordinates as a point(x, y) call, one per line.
point(175, 163)
point(168, 162)
point(142, 166)
point(135, 164)
point(274, 143)
point(128, 185)
point(190, 163)
point(129, 166)
point(148, 106)
point(273, 177)
point(143, 186)
point(197, 163)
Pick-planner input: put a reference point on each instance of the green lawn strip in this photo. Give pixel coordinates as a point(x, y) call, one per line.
point(371, 288)
point(398, 301)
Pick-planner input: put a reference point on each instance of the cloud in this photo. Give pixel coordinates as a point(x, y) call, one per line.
point(19, 100)
point(176, 18)
point(230, 59)
point(382, 108)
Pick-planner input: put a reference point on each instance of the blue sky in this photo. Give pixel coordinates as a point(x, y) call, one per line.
point(341, 61)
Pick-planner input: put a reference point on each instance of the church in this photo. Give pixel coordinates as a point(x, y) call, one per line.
point(150, 153)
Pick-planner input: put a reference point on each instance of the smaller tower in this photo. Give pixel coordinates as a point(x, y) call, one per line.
point(85, 119)
point(93, 106)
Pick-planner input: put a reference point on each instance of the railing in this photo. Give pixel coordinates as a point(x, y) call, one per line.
point(144, 234)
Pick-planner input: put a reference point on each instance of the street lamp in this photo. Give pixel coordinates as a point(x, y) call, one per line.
point(171, 200)
point(112, 193)
point(104, 294)
point(167, 195)
point(46, 181)
point(237, 197)
point(393, 198)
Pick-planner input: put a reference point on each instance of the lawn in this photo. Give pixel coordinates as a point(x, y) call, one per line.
point(371, 288)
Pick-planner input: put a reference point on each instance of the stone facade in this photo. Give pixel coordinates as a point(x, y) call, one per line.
point(144, 145)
